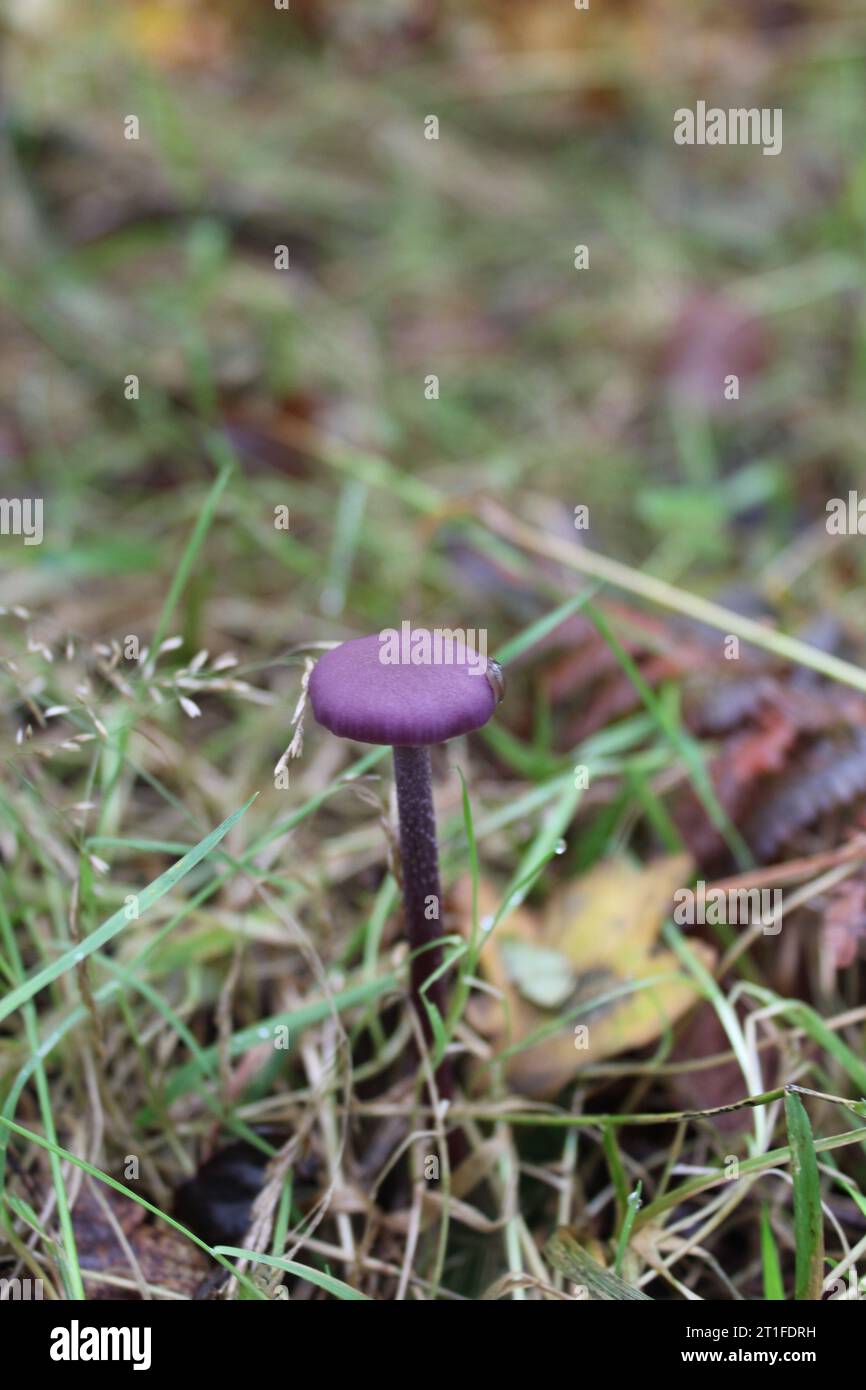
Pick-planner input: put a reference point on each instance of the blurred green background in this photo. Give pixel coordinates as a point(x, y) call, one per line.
point(411, 257)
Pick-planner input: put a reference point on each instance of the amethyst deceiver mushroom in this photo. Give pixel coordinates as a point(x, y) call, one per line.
point(359, 691)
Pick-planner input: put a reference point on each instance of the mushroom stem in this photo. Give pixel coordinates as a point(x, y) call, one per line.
point(422, 894)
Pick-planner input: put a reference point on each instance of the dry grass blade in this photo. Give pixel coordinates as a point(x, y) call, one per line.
point(566, 1256)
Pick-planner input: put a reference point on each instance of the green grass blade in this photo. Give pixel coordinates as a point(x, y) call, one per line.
point(69, 1267)
point(808, 1217)
point(312, 1276)
point(314, 1011)
point(684, 745)
point(539, 629)
point(187, 559)
point(102, 935)
point(761, 1163)
point(632, 1207)
point(774, 1290)
point(60, 1152)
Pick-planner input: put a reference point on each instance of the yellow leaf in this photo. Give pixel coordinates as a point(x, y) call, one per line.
point(592, 957)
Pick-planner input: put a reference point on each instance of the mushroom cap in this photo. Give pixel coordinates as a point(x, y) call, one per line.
point(356, 694)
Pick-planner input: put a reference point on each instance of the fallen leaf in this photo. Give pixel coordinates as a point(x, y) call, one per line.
point(594, 939)
point(167, 1260)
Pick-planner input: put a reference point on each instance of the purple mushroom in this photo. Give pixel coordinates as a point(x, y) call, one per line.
point(390, 688)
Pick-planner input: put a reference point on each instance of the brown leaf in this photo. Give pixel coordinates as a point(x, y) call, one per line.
point(167, 1260)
